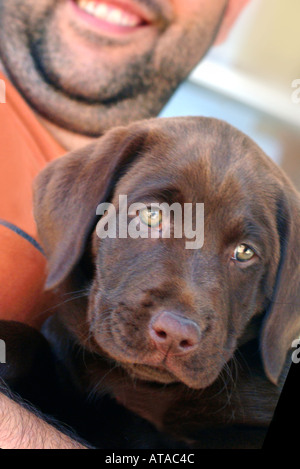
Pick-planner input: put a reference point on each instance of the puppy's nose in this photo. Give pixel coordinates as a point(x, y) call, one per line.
point(173, 333)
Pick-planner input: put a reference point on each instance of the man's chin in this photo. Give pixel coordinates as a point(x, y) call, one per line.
point(71, 82)
point(73, 78)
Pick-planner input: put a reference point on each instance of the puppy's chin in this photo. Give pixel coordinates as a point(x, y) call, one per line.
point(163, 376)
point(149, 373)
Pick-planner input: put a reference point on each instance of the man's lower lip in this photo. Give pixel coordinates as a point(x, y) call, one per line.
point(102, 25)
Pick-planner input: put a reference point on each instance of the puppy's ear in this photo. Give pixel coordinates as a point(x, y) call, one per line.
point(68, 191)
point(282, 322)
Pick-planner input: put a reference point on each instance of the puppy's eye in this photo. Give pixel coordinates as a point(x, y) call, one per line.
point(243, 253)
point(151, 217)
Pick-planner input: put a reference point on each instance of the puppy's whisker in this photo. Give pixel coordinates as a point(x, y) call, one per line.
point(83, 290)
point(96, 388)
point(53, 308)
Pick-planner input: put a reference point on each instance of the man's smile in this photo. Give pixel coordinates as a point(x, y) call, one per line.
point(112, 17)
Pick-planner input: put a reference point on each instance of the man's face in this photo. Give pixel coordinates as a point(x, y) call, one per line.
point(89, 65)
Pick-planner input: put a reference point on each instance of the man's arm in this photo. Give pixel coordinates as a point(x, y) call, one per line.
point(21, 425)
point(22, 429)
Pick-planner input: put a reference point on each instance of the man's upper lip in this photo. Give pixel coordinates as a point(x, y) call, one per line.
point(131, 6)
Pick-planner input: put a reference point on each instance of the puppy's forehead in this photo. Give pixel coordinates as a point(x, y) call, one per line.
point(196, 154)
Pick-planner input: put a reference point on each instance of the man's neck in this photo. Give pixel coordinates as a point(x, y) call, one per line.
point(68, 140)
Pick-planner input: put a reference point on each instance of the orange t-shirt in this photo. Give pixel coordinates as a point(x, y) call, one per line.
point(25, 149)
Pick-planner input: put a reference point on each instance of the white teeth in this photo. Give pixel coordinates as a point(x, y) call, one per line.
point(115, 16)
point(109, 13)
point(101, 11)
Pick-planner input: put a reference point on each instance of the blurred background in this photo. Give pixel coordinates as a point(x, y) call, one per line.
point(248, 81)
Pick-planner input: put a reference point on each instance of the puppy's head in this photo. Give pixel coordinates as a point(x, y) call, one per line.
point(164, 312)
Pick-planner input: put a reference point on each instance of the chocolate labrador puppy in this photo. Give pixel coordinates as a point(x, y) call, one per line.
point(194, 341)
